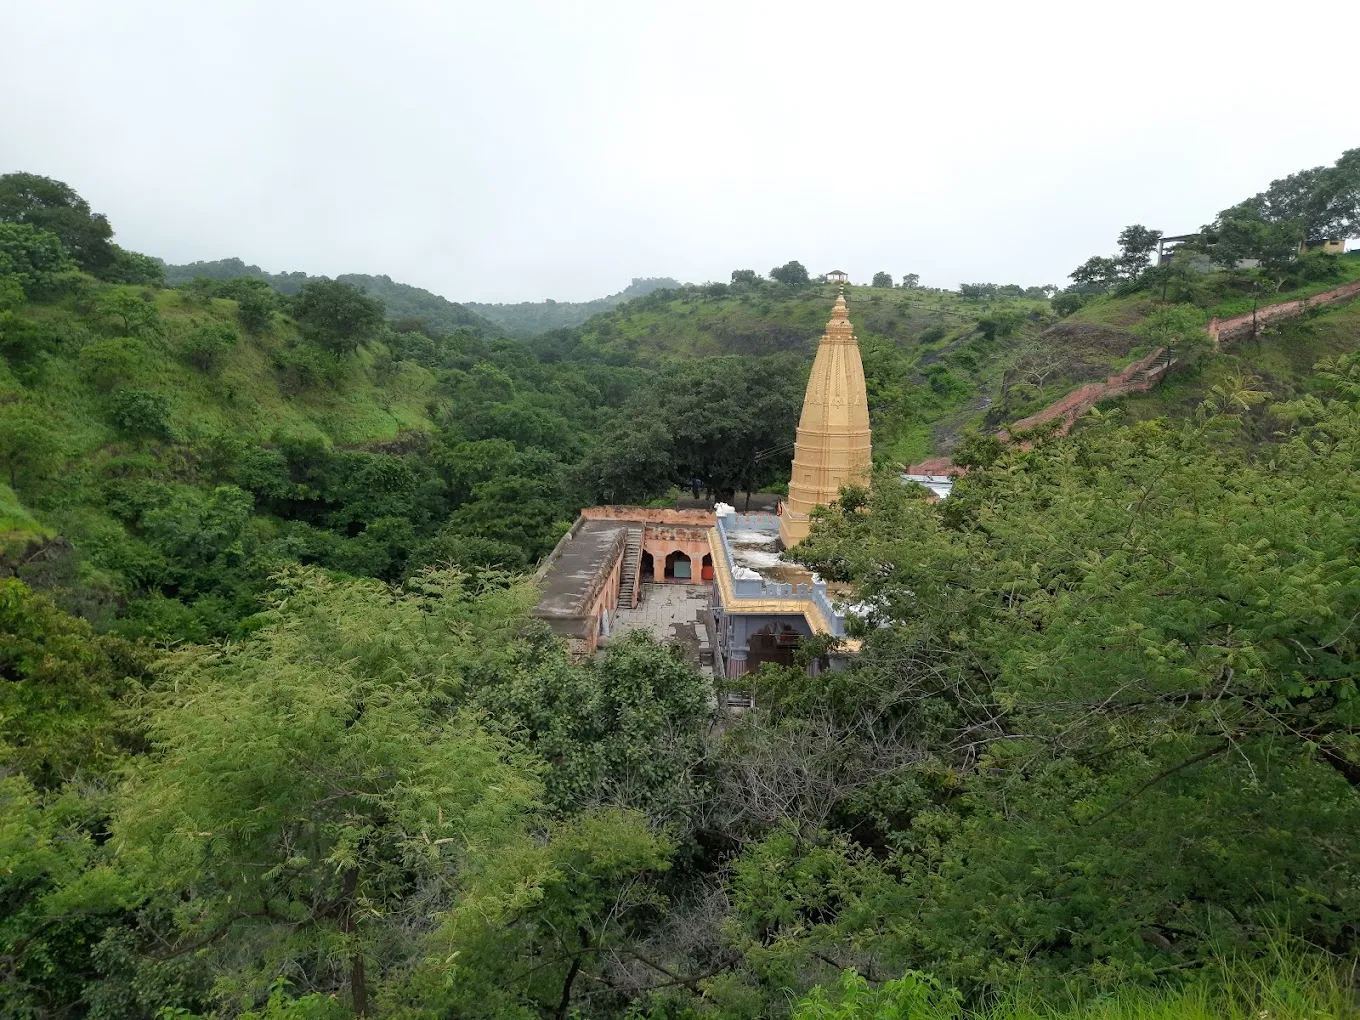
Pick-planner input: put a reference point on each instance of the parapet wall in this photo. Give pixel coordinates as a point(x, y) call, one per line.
point(1239, 326)
point(649, 515)
point(1135, 378)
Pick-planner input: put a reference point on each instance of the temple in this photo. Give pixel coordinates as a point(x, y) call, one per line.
point(714, 581)
point(832, 449)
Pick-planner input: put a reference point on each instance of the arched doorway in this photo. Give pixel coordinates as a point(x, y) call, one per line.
point(678, 567)
point(775, 642)
point(648, 569)
point(706, 567)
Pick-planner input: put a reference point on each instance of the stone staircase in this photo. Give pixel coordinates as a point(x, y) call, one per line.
point(632, 559)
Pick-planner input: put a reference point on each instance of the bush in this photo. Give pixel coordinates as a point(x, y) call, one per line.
point(23, 342)
point(112, 363)
point(127, 313)
point(208, 344)
point(301, 367)
point(1001, 324)
point(255, 311)
point(31, 257)
point(141, 413)
point(1317, 266)
point(1066, 303)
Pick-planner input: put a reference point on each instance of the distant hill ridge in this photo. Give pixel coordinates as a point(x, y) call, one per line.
point(525, 318)
point(401, 300)
point(521, 319)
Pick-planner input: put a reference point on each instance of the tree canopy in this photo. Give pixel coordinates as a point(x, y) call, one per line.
point(56, 208)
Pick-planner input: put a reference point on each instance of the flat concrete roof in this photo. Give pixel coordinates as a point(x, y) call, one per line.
point(569, 582)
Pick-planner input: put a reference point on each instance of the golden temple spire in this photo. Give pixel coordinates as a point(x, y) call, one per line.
point(833, 444)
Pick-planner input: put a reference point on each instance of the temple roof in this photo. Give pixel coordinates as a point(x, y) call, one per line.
point(832, 448)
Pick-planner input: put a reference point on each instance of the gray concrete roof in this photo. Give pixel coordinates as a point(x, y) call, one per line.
point(569, 582)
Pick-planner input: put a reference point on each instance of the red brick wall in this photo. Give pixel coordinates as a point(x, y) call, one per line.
point(1240, 325)
point(1082, 399)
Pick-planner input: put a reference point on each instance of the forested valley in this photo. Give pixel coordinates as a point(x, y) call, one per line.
point(279, 737)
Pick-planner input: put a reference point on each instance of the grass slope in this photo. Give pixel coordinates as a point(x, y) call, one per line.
point(247, 394)
point(18, 527)
point(247, 399)
point(1281, 361)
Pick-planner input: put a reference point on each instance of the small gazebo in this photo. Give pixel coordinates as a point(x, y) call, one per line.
point(836, 276)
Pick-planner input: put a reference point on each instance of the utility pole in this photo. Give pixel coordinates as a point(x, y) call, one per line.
point(1255, 290)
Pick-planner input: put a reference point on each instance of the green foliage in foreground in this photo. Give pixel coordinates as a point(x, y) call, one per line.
point(324, 803)
point(1290, 985)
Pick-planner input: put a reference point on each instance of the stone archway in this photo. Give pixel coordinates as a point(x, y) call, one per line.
point(775, 642)
point(647, 571)
point(706, 567)
point(678, 568)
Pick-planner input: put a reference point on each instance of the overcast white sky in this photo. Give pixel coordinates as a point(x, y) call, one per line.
point(511, 150)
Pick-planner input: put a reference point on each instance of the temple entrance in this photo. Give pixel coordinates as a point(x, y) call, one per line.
point(706, 568)
point(678, 567)
point(648, 569)
point(774, 642)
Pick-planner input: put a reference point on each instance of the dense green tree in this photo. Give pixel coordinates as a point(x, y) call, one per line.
point(133, 268)
point(55, 207)
point(255, 310)
point(792, 274)
point(307, 783)
point(31, 257)
point(911, 281)
point(633, 464)
point(523, 511)
point(29, 447)
point(543, 924)
point(58, 695)
point(1097, 271)
point(625, 728)
point(336, 315)
point(109, 364)
point(207, 345)
point(1179, 328)
point(882, 280)
point(1136, 245)
point(1324, 201)
point(743, 276)
point(1242, 233)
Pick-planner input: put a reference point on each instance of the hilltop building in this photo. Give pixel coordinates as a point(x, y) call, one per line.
point(714, 580)
point(836, 276)
point(711, 580)
point(832, 449)
point(1166, 247)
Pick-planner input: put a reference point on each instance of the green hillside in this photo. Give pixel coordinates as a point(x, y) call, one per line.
point(401, 300)
point(935, 363)
point(184, 443)
point(525, 318)
point(281, 740)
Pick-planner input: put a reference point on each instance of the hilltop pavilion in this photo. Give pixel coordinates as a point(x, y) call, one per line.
point(832, 448)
